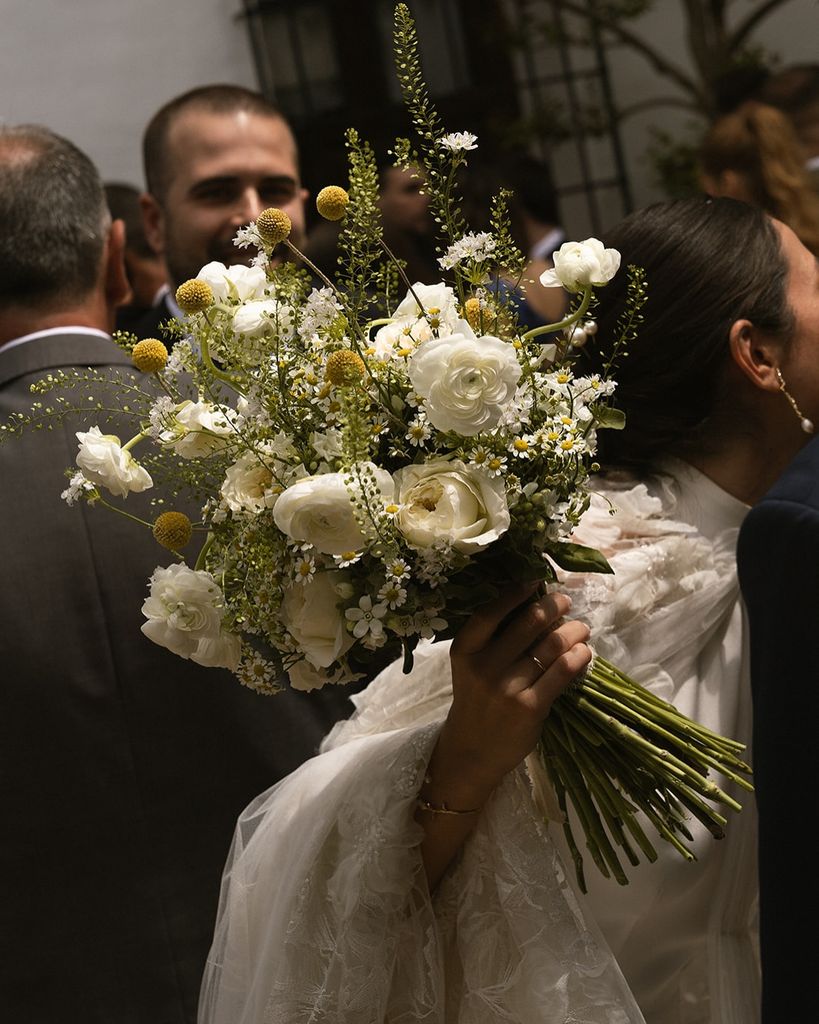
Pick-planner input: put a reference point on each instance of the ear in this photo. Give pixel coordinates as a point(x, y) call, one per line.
point(756, 355)
point(153, 221)
point(117, 288)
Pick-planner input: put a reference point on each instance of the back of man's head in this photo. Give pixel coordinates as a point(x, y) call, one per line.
point(157, 156)
point(54, 219)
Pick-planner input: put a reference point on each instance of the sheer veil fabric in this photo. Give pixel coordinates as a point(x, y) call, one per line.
point(325, 913)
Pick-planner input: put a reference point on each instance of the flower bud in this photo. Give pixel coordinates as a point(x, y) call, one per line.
point(172, 530)
point(149, 355)
point(194, 295)
point(332, 202)
point(273, 225)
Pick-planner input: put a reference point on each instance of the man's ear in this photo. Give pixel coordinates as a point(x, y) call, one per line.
point(117, 288)
point(153, 222)
point(755, 354)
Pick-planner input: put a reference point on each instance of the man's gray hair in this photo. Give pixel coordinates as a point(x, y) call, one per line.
point(53, 218)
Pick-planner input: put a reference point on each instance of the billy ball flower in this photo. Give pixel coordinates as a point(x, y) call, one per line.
point(344, 368)
point(149, 355)
point(273, 225)
point(194, 295)
point(172, 530)
point(331, 202)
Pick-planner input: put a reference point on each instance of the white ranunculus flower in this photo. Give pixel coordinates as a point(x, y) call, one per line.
point(578, 265)
point(249, 485)
point(200, 429)
point(236, 282)
point(327, 444)
point(317, 510)
point(448, 501)
point(184, 613)
point(437, 301)
point(254, 318)
point(222, 651)
point(466, 382)
point(104, 463)
point(311, 615)
point(303, 676)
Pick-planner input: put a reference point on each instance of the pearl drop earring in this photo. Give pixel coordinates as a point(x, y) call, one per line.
point(804, 422)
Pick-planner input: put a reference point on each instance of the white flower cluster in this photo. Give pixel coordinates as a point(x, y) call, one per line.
point(459, 142)
point(351, 477)
point(473, 247)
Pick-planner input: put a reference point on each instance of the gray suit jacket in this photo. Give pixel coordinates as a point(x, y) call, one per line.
point(122, 767)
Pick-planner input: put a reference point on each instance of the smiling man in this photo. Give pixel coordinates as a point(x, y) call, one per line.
point(214, 158)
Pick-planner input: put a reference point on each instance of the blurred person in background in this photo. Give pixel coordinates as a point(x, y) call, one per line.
point(753, 154)
point(214, 158)
point(145, 269)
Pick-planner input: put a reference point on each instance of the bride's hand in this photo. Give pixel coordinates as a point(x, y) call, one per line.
point(509, 663)
point(501, 695)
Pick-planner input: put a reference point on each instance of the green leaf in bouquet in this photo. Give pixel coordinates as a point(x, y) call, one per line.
point(578, 558)
point(609, 417)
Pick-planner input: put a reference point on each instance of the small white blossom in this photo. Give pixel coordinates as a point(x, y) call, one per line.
point(458, 142)
point(418, 432)
point(393, 593)
point(428, 623)
point(367, 617)
point(474, 247)
point(77, 486)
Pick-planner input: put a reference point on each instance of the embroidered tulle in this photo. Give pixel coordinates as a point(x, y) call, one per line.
point(325, 912)
point(325, 915)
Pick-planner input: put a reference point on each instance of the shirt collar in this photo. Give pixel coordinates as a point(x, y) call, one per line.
point(49, 332)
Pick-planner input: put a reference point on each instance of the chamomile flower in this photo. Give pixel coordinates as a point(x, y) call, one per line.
point(397, 569)
point(418, 432)
point(393, 594)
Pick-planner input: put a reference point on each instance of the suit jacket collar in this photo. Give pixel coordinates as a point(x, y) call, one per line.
point(56, 351)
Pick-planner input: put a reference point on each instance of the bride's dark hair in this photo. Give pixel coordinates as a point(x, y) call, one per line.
point(708, 262)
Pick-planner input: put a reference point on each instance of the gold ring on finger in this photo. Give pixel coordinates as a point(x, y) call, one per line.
point(538, 662)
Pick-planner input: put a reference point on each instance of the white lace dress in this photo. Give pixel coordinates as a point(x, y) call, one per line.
point(325, 915)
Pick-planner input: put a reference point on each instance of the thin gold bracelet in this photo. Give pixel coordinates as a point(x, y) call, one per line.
point(442, 808)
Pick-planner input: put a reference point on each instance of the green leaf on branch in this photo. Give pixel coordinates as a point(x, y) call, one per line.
point(579, 558)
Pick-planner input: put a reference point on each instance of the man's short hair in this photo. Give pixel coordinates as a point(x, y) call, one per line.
point(123, 203)
point(53, 216)
point(212, 99)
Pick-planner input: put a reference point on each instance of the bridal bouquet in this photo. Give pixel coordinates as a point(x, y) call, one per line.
point(374, 458)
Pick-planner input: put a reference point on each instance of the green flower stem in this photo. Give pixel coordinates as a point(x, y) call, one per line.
point(604, 676)
point(134, 441)
point(200, 560)
point(122, 512)
point(560, 793)
point(628, 712)
point(234, 382)
point(560, 325)
point(577, 785)
point(308, 262)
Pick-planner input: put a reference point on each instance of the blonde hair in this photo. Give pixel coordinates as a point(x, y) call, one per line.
point(758, 143)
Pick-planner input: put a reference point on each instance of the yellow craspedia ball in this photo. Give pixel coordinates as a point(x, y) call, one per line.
point(331, 202)
point(273, 225)
point(173, 530)
point(194, 295)
point(149, 355)
point(344, 367)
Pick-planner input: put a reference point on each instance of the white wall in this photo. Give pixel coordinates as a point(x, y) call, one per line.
point(96, 70)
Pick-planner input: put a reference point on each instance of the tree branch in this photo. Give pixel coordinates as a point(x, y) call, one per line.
point(746, 27)
point(660, 63)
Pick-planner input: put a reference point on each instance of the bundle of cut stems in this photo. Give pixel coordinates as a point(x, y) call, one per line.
point(614, 749)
